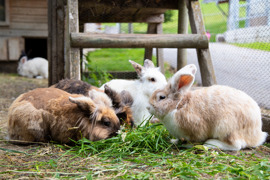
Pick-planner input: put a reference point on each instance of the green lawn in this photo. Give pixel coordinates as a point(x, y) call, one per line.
point(116, 59)
point(256, 45)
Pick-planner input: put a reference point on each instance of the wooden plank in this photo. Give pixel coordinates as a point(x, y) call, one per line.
point(28, 18)
point(182, 29)
point(30, 26)
point(15, 47)
point(59, 36)
point(72, 54)
point(29, 3)
point(3, 49)
point(28, 11)
point(25, 33)
point(86, 40)
point(161, 4)
point(67, 43)
point(123, 18)
point(56, 40)
point(204, 57)
point(50, 40)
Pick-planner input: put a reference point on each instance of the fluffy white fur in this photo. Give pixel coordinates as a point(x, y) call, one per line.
point(140, 89)
point(220, 116)
point(33, 68)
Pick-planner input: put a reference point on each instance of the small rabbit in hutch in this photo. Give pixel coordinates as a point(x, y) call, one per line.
point(51, 114)
point(150, 79)
point(35, 67)
point(220, 116)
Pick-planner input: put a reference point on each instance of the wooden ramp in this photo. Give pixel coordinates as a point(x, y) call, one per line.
point(67, 19)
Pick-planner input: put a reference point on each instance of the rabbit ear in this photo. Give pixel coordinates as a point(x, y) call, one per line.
point(126, 98)
point(84, 103)
point(114, 96)
point(183, 79)
point(148, 64)
point(138, 68)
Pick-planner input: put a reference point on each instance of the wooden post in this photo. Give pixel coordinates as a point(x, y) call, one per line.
point(204, 57)
point(182, 29)
point(155, 28)
point(151, 29)
point(72, 65)
point(160, 59)
point(56, 40)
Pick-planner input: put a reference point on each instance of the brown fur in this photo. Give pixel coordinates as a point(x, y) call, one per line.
point(121, 102)
point(73, 86)
point(46, 114)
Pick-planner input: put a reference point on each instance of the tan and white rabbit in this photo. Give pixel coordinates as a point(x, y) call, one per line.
point(46, 114)
point(220, 116)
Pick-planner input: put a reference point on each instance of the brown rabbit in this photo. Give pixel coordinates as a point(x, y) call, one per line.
point(74, 86)
point(46, 114)
point(121, 102)
point(222, 116)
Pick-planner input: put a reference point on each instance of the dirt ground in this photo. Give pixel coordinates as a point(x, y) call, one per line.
point(21, 162)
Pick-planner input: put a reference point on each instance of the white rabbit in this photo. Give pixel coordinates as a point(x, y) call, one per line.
point(33, 68)
point(220, 116)
point(150, 80)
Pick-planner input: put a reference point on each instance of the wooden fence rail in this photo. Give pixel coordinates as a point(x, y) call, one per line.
point(84, 40)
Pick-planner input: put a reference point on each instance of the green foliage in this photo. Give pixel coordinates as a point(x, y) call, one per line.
point(115, 59)
point(144, 139)
point(95, 77)
point(256, 45)
point(168, 16)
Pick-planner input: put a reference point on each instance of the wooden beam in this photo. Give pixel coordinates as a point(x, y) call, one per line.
point(204, 57)
point(155, 28)
point(158, 4)
point(86, 40)
point(160, 59)
point(72, 55)
point(121, 18)
point(151, 29)
point(182, 29)
point(56, 40)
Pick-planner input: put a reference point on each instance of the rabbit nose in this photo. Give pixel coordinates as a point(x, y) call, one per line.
point(148, 108)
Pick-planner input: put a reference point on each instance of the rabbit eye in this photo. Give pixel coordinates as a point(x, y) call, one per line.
point(162, 97)
point(107, 123)
point(152, 79)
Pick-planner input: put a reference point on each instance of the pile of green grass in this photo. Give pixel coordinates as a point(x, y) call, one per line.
point(146, 153)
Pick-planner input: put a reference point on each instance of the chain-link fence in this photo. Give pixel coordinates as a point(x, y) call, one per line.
point(241, 48)
point(239, 34)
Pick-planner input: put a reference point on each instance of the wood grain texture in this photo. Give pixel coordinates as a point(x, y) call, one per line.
point(182, 29)
point(203, 54)
point(88, 40)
